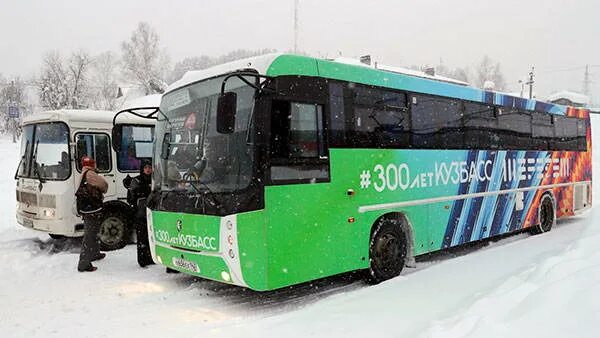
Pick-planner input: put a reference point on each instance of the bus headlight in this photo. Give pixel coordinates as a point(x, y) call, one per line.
point(225, 275)
point(48, 213)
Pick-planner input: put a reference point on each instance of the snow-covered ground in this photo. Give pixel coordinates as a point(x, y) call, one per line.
point(521, 286)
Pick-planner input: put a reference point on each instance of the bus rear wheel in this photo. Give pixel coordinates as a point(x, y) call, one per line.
point(114, 231)
point(546, 216)
point(387, 251)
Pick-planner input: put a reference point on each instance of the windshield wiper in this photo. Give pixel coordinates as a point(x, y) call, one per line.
point(22, 158)
point(188, 177)
point(36, 165)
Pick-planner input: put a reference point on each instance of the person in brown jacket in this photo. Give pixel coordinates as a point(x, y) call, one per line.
point(90, 195)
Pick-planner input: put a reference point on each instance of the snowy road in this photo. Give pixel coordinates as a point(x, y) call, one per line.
point(521, 286)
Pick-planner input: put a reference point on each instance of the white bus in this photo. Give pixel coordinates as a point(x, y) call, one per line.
point(52, 145)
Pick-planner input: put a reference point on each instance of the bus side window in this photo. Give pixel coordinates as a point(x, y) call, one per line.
point(298, 150)
point(96, 146)
point(581, 135)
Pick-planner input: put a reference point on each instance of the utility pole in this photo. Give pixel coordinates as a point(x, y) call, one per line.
point(11, 104)
point(296, 26)
point(586, 81)
point(530, 83)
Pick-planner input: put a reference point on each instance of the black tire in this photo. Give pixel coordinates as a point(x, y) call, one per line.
point(57, 237)
point(115, 230)
point(387, 251)
point(546, 216)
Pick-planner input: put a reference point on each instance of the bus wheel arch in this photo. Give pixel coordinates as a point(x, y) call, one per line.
point(115, 226)
point(390, 247)
point(546, 213)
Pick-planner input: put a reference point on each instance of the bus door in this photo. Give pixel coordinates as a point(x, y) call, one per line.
point(302, 207)
point(97, 146)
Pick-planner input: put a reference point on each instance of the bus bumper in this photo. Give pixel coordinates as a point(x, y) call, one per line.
point(53, 226)
point(222, 265)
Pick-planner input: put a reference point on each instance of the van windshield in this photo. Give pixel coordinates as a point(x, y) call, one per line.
point(45, 151)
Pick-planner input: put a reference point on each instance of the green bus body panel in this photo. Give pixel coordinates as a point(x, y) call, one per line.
point(293, 65)
point(210, 266)
point(251, 243)
point(252, 240)
point(193, 231)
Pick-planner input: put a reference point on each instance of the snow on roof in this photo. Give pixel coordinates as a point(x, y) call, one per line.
point(259, 63)
point(141, 102)
point(399, 70)
point(569, 95)
point(82, 115)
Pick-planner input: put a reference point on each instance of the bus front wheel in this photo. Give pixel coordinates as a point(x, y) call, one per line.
point(114, 231)
point(546, 216)
point(387, 251)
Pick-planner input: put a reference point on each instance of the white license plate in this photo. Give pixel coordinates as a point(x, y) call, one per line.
point(187, 265)
point(27, 222)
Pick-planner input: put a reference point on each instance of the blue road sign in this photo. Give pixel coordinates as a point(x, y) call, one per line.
point(13, 112)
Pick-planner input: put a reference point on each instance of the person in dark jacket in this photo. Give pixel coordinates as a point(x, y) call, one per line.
point(90, 195)
point(138, 191)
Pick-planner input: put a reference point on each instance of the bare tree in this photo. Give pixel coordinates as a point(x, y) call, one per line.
point(54, 92)
point(487, 70)
point(103, 81)
point(12, 94)
point(79, 64)
point(63, 83)
point(190, 63)
point(461, 74)
point(143, 60)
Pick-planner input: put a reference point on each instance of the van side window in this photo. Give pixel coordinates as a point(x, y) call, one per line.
point(136, 144)
point(96, 146)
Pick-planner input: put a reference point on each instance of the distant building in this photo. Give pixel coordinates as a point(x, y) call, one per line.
point(568, 98)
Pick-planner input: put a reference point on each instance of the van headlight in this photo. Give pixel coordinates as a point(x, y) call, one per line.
point(48, 213)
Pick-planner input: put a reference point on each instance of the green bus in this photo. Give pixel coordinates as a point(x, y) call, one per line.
point(282, 169)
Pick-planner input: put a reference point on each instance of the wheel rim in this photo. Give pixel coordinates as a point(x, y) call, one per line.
point(546, 215)
point(112, 231)
point(387, 253)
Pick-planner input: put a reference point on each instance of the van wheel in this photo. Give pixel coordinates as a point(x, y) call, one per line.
point(55, 236)
point(546, 215)
point(114, 231)
point(387, 251)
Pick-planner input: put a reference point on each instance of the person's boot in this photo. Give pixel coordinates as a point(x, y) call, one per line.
point(89, 268)
point(100, 256)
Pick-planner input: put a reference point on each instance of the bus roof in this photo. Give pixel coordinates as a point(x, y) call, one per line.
point(259, 63)
point(279, 64)
point(83, 115)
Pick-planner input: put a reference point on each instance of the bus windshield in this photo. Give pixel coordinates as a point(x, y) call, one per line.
point(45, 152)
point(190, 154)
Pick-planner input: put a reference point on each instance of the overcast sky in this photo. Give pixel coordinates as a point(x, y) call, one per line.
point(550, 35)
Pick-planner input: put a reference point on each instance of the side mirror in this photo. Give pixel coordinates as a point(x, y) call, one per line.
point(117, 131)
point(226, 108)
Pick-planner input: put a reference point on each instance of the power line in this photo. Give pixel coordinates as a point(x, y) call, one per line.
point(568, 69)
